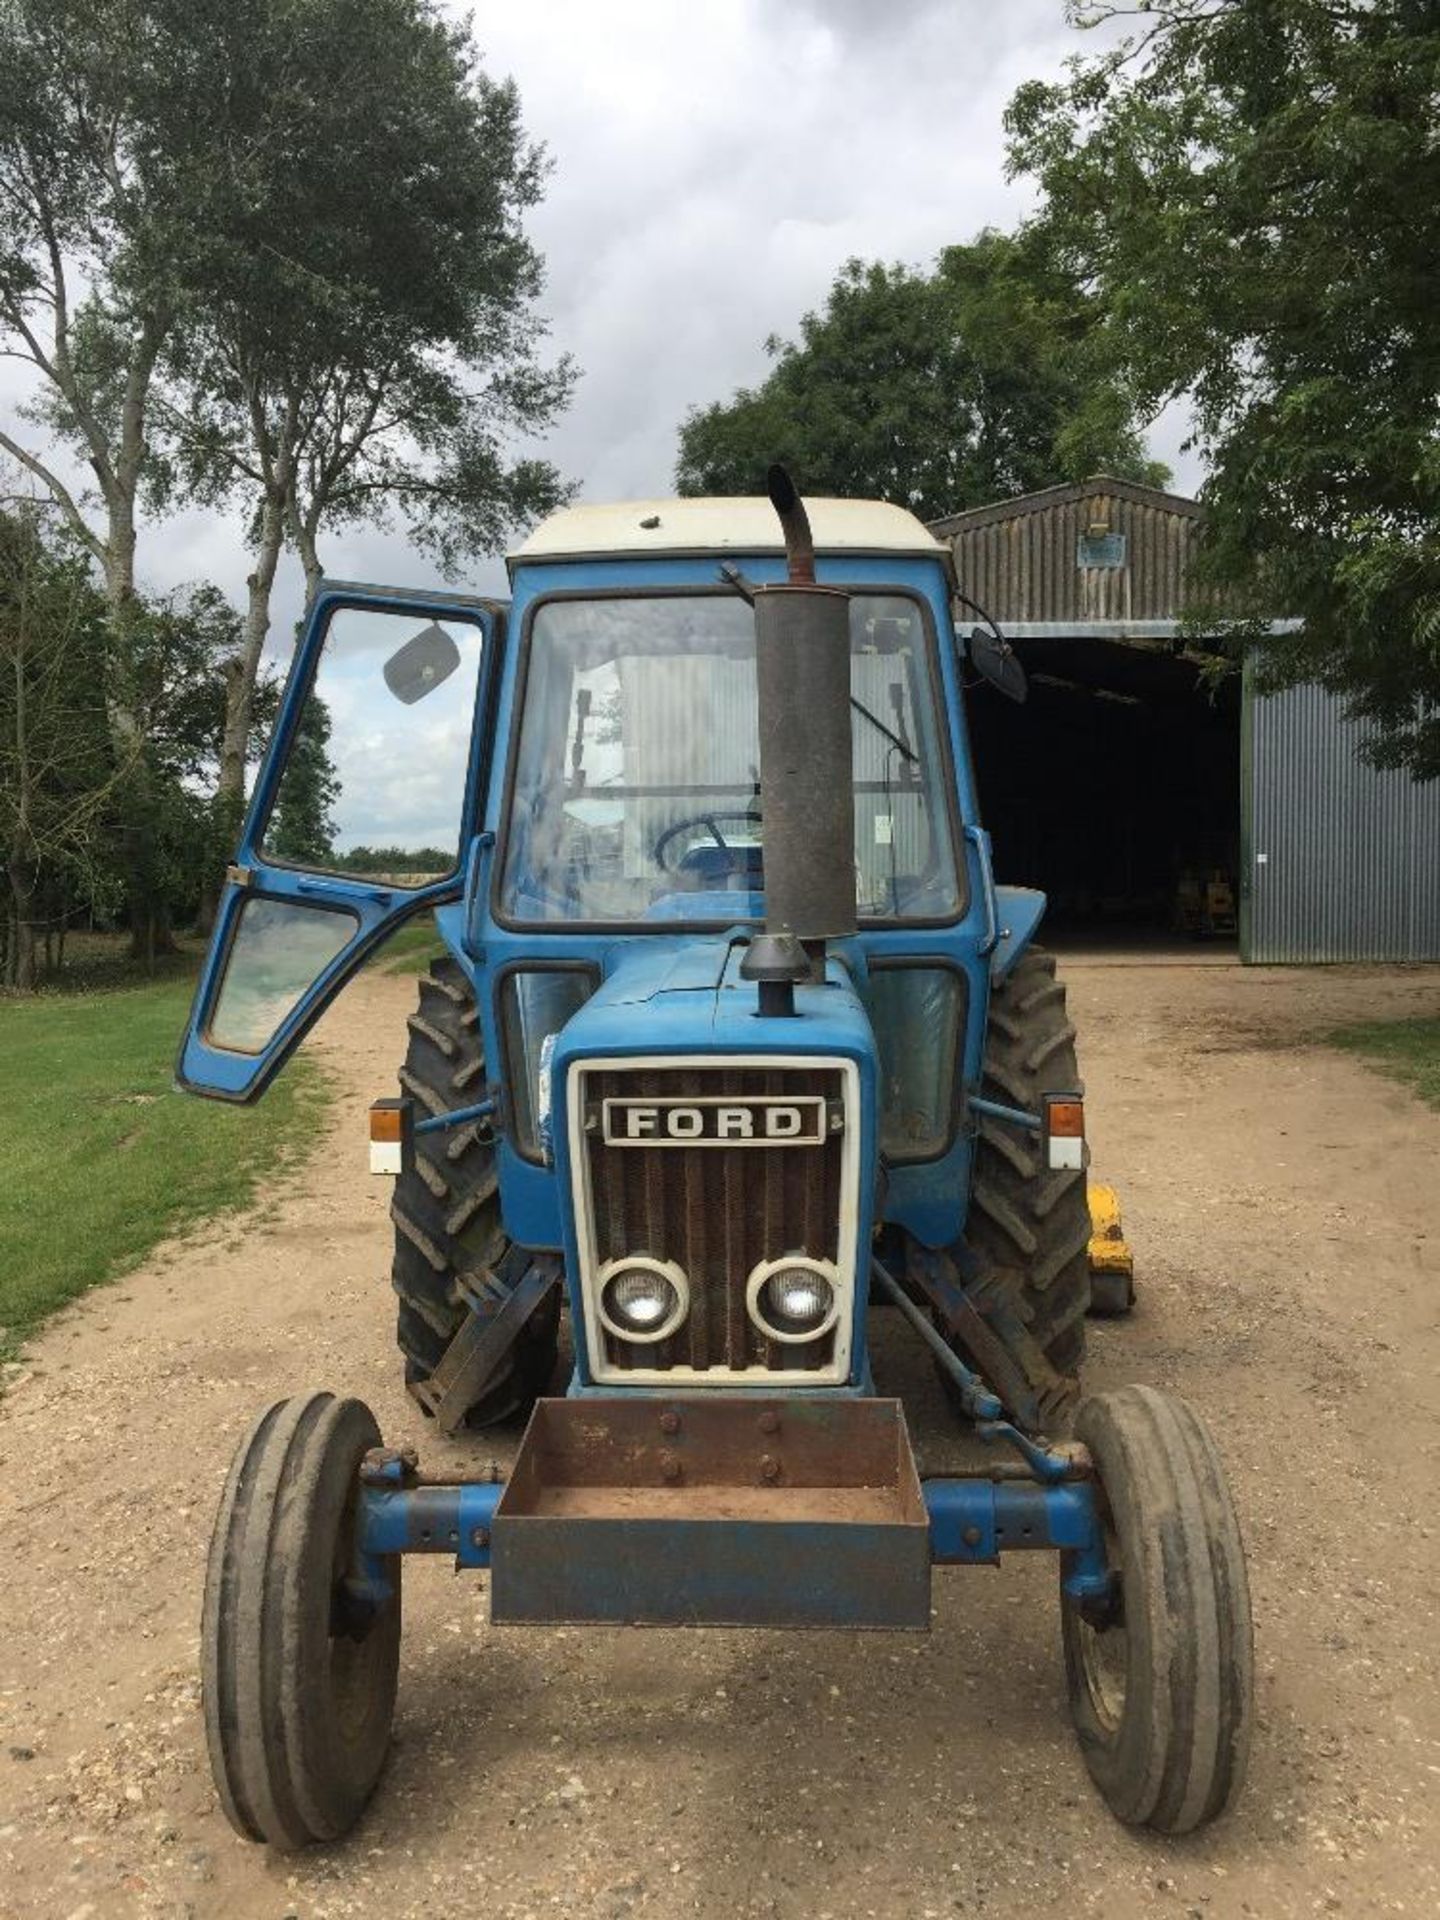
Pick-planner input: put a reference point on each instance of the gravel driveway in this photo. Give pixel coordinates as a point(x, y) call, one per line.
point(1284, 1204)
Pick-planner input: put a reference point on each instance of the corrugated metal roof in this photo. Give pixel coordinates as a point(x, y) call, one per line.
point(1070, 490)
point(744, 524)
point(1343, 859)
point(1023, 559)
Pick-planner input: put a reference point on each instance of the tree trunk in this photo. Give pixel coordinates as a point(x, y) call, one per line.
point(241, 674)
point(304, 530)
point(23, 968)
point(146, 909)
point(245, 668)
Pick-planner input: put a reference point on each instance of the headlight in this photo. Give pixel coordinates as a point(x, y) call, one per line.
point(793, 1299)
point(796, 1297)
point(641, 1299)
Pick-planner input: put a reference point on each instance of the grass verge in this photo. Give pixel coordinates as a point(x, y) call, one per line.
point(1404, 1050)
point(100, 1158)
point(411, 949)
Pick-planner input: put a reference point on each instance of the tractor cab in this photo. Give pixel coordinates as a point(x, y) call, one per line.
point(616, 793)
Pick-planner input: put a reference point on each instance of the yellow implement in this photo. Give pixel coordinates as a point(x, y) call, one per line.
point(1112, 1264)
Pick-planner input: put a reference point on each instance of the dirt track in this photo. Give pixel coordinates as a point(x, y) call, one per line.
point(1285, 1208)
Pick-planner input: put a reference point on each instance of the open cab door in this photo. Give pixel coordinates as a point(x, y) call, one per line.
point(362, 816)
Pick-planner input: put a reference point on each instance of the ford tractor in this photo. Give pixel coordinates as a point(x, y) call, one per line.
point(736, 1044)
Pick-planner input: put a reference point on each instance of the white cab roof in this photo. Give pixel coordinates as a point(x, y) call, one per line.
point(743, 524)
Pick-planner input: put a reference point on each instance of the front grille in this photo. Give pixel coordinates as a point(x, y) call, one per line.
point(717, 1211)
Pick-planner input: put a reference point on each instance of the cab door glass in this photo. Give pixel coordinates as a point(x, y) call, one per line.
point(279, 948)
point(374, 778)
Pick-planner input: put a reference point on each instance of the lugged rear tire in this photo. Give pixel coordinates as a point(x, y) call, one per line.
point(1029, 1226)
point(446, 1212)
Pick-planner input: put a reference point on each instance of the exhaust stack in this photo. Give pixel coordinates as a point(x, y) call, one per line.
point(802, 672)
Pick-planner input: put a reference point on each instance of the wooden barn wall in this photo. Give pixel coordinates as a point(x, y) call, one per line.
point(1022, 566)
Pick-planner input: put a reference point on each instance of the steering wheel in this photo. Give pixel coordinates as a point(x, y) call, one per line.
point(709, 820)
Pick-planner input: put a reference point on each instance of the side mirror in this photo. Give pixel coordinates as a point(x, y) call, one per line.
point(422, 664)
point(995, 660)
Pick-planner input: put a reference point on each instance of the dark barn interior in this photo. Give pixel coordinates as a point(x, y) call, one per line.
point(1115, 788)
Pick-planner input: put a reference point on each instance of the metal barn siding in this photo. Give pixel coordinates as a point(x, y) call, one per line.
point(1021, 558)
point(1340, 861)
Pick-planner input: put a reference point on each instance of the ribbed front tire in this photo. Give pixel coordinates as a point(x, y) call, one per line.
point(298, 1681)
point(1161, 1688)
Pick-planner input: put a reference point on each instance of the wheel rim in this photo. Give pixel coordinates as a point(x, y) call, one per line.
point(356, 1675)
point(1105, 1651)
point(358, 1662)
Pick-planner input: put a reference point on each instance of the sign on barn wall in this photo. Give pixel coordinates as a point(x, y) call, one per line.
point(1100, 550)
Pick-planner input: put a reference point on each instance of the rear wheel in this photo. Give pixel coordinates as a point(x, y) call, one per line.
point(298, 1679)
point(1160, 1682)
point(452, 1255)
point(1029, 1226)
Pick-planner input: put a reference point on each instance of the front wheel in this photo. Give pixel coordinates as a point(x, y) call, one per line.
point(1161, 1680)
point(298, 1679)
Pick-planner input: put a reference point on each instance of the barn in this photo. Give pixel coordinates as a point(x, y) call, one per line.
point(1150, 800)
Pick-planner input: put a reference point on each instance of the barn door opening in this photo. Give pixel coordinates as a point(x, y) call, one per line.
point(1116, 789)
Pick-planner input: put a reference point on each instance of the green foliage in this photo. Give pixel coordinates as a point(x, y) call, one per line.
point(58, 773)
point(1252, 190)
point(100, 1157)
point(411, 950)
point(270, 252)
point(87, 293)
point(175, 661)
point(381, 361)
point(302, 827)
point(176, 658)
point(428, 860)
point(69, 808)
point(938, 391)
point(324, 255)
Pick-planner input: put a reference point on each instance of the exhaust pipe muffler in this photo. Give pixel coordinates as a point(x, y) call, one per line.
point(802, 671)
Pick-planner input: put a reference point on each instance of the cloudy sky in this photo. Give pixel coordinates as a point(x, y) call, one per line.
point(715, 162)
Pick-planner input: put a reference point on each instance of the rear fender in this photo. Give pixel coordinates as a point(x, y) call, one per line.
point(1021, 911)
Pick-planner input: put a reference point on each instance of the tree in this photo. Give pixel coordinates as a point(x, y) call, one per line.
point(938, 391)
point(182, 667)
point(86, 302)
point(302, 828)
point(382, 366)
point(1251, 188)
point(430, 861)
point(292, 234)
point(75, 215)
point(58, 775)
point(63, 792)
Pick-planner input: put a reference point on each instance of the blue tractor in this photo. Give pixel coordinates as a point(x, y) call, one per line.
point(736, 1041)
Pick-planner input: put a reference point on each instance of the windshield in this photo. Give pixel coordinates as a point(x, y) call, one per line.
point(637, 786)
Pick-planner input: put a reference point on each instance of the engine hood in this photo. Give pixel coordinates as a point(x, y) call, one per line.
point(695, 1001)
